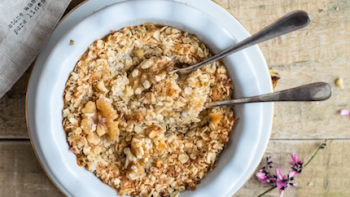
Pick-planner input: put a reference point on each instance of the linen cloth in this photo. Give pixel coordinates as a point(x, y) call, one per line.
point(25, 26)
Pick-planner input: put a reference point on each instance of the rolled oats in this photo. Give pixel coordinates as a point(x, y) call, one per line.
point(134, 124)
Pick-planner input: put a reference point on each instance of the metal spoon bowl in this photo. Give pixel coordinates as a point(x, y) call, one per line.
point(319, 91)
point(288, 23)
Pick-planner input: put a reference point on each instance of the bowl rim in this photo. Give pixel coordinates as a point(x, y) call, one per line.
point(112, 3)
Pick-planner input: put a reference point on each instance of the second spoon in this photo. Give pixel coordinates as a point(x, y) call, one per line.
point(319, 91)
point(288, 23)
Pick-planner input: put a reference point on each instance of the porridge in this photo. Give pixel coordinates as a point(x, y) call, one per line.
point(134, 124)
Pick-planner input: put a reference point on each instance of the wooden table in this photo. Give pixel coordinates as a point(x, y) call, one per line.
point(320, 52)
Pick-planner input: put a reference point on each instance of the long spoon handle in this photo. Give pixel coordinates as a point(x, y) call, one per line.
point(319, 91)
point(288, 23)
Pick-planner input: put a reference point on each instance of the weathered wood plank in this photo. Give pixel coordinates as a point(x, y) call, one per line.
point(319, 52)
point(12, 110)
point(21, 173)
point(314, 120)
point(327, 175)
point(327, 37)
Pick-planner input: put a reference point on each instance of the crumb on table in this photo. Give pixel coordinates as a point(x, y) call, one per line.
point(339, 82)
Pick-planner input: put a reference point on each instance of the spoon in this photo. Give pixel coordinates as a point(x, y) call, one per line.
point(288, 23)
point(319, 91)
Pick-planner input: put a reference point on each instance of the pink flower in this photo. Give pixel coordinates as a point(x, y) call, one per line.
point(283, 182)
point(344, 112)
point(261, 176)
point(264, 176)
point(280, 181)
point(297, 166)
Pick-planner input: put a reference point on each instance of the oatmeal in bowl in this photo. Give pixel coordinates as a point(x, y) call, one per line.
point(131, 121)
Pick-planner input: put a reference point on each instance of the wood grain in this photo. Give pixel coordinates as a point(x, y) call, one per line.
point(313, 120)
point(12, 110)
point(320, 52)
point(327, 36)
point(327, 175)
point(21, 174)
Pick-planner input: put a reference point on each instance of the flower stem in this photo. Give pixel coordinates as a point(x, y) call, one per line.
point(322, 145)
point(315, 153)
point(267, 191)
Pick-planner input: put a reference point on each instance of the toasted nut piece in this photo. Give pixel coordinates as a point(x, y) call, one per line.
point(193, 156)
point(113, 130)
point(339, 82)
point(274, 77)
point(101, 86)
point(153, 131)
point(80, 161)
point(138, 91)
point(93, 138)
point(158, 163)
point(147, 63)
point(136, 147)
point(129, 157)
point(135, 170)
point(71, 42)
point(175, 194)
point(129, 91)
point(186, 40)
point(215, 118)
point(146, 84)
point(211, 158)
point(200, 52)
point(171, 92)
point(188, 146)
point(161, 147)
point(101, 130)
point(135, 73)
point(138, 53)
point(205, 136)
point(199, 143)
point(89, 108)
point(156, 34)
point(110, 115)
point(135, 117)
point(86, 125)
point(183, 158)
point(145, 159)
point(191, 133)
point(214, 135)
point(106, 109)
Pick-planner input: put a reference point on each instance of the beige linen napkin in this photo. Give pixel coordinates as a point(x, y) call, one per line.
point(25, 26)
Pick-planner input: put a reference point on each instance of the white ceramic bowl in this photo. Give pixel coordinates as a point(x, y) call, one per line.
point(213, 25)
